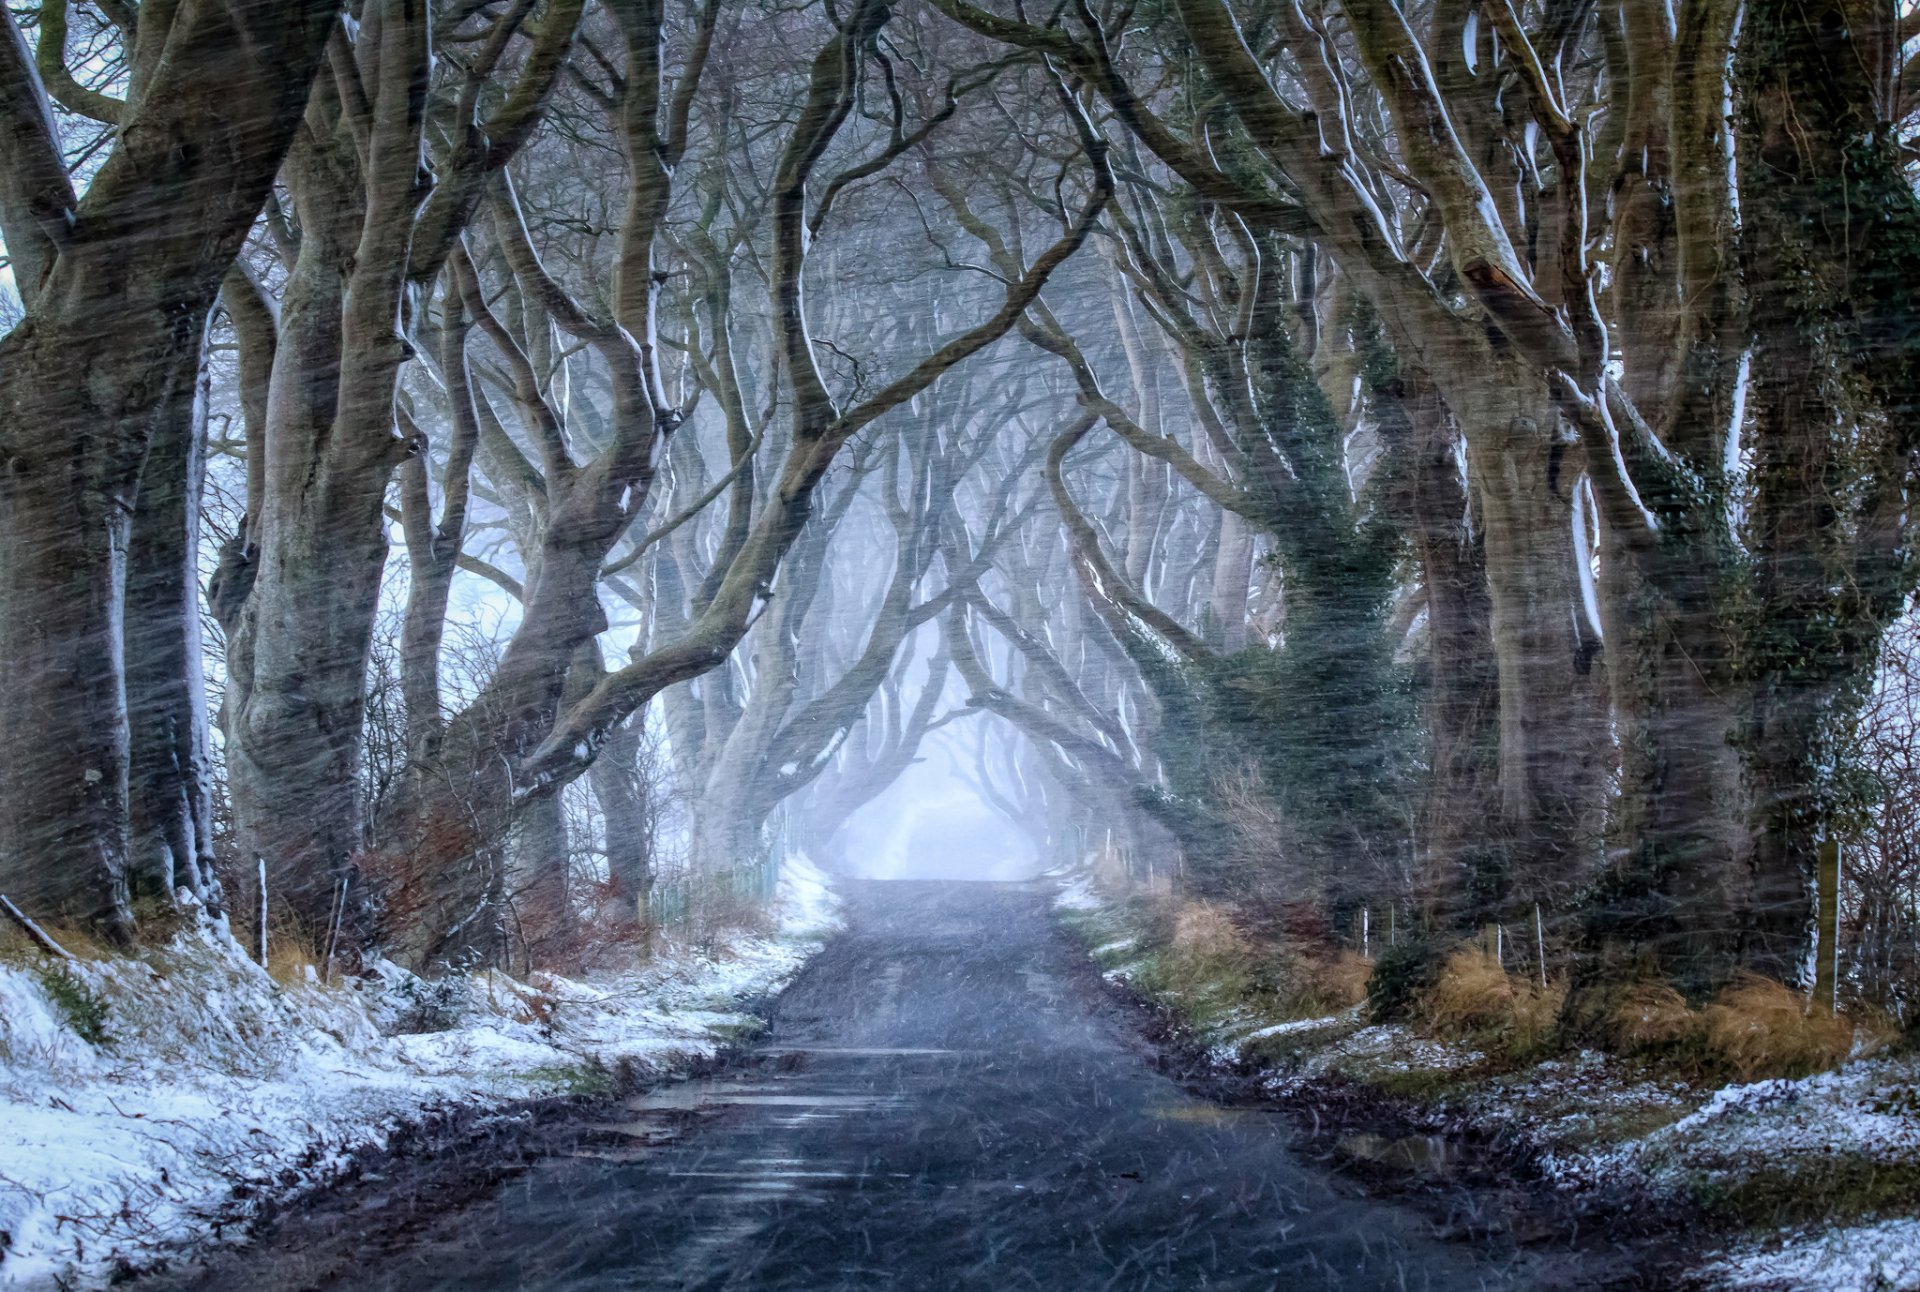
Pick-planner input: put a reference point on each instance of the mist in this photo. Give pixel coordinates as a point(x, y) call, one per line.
point(932, 823)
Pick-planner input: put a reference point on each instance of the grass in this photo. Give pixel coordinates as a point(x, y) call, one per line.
point(1194, 958)
point(1200, 962)
point(1829, 1188)
point(1753, 1029)
point(588, 1079)
point(1761, 1028)
point(289, 958)
point(1475, 998)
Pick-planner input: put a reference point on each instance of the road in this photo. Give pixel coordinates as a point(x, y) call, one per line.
point(945, 1100)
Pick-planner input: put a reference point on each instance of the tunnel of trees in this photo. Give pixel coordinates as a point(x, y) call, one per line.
point(1439, 463)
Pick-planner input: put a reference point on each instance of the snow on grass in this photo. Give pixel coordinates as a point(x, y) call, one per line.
point(1295, 1025)
point(1077, 893)
point(1870, 1107)
point(1869, 1258)
point(208, 1088)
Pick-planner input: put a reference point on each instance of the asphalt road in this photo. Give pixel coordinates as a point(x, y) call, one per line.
point(944, 1101)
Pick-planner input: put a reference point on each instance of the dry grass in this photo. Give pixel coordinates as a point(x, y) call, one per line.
point(75, 939)
point(1342, 980)
point(1757, 1027)
point(1203, 931)
point(1216, 969)
point(1651, 1016)
point(289, 956)
point(1475, 996)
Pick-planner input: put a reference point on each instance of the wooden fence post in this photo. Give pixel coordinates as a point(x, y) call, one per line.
point(1826, 950)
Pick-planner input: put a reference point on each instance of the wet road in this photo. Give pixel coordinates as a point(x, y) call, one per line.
point(943, 1101)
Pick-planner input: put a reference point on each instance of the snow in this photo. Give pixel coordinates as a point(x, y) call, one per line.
point(1864, 1257)
point(1077, 893)
point(217, 1089)
point(1294, 1025)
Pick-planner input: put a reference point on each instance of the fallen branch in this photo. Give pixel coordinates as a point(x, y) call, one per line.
point(33, 931)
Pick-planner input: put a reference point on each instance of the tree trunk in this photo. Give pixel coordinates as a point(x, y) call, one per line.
point(1460, 865)
point(1551, 739)
point(1833, 254)
point(170, 802)
point(543, 924)
point(615, 779)
point(109, 347)
point(297, 659)
point(1671, 895)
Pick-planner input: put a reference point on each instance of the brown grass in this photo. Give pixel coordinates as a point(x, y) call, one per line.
point(1475, 996)
point(288, 957)
point(1342, 980)
point(1650, 1016)
point(75, 939)
point(1757, 1027)
point(1202, 931)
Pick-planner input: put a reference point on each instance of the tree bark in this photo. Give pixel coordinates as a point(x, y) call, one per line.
point(109, 348)
point(170, 784)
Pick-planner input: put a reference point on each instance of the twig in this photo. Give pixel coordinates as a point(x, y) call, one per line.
point(33, 931)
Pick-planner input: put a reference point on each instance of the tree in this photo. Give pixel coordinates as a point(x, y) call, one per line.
point(104, 365)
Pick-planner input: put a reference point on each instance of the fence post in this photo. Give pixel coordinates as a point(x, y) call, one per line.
point(1826, 951)
point(1540, 944)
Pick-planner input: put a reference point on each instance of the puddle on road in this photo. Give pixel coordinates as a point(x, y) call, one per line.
point(861, 1051)
point(794, 1101)
point(1414, 1154)
point(1207, 1114)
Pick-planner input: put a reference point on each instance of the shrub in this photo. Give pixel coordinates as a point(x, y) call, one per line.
point(289, 956)
point(1341, 981)
point(1401, 977)
point(1203, 932)
point(82, 1008)
point(1650, 1017)
point(431, 1005)
point(1755, 1027)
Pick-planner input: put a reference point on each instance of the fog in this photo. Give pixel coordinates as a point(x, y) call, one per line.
point(932, 823)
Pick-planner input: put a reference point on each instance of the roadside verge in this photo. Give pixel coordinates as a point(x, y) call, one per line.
point(1809, 1182)
point(155, 1102)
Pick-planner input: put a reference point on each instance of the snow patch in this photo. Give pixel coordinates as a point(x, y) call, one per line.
point(1078, 894)
point(216, 1089)
point(1860, 1258)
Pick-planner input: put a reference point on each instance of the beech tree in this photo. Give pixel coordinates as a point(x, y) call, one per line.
point(102, 371)
point(1323, 456)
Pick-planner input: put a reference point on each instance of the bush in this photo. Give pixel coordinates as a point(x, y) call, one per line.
point(82, 1008)
point(431, 1005)
point(1401, 977)
point(1650, 1018)
point(1217, 969)
point(1757, 1027)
